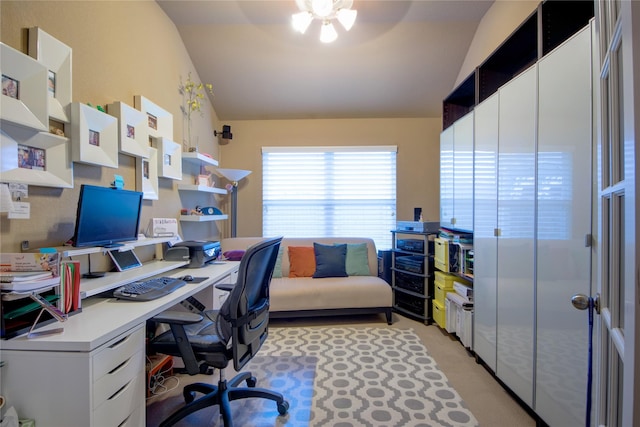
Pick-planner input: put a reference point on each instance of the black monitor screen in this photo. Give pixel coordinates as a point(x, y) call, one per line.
point(106, 216)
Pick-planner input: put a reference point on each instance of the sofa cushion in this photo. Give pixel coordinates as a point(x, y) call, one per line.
point(303, 293)
point(357, 261)
point(330, 260)
point(302, 261)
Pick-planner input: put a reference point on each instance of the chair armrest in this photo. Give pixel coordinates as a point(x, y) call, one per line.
point(225, 286)
point(178, 317)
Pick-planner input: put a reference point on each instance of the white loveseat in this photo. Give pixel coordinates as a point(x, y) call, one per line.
point(292, 297)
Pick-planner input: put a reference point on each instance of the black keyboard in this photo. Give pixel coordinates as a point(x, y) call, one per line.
point(150, 289)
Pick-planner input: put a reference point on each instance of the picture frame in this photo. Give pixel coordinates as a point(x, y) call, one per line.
point(147, 175)
point(28, 106)
point(160, 121)
point(57, 58)
point(58, 166)
point(169, 157)
point(94, 136)
point(133, 134)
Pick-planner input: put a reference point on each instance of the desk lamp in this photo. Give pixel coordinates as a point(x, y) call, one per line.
point(233, 175)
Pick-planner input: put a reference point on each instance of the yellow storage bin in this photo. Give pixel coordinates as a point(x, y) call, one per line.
point(441, 254)
point(439, 314)
point(441, 292)
point(446, 279)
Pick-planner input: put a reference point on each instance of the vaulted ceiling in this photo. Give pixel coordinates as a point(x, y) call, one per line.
point(400, 59)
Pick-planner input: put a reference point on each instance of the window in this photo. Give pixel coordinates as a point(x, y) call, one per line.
point(330, 191)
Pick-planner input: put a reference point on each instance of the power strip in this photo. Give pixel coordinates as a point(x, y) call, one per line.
point(193, 305)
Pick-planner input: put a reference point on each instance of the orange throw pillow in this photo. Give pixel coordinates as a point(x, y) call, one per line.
point(302, 261)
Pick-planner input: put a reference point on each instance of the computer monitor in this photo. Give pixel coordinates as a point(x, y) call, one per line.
point(106, 216)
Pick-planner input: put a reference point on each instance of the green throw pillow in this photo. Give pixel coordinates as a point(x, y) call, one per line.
point(357, 263)
point(277, 269)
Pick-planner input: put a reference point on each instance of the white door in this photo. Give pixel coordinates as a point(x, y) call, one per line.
point(516, 233)
point(485, 222)
point(617, 328)
point(563, 256)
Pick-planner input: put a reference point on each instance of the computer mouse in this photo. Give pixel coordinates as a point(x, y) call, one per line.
point(187, 278)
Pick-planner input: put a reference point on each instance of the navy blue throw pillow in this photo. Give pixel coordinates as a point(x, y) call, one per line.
point(330, 260)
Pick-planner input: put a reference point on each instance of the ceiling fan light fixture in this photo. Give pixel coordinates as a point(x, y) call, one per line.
point(347, 17)
point(325, 11)
point(328, 32)
point(322, 8)
point(301, 21)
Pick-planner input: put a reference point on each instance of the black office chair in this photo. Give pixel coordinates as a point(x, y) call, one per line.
point(236, 332)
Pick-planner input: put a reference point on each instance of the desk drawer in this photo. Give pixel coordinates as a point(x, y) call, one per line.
point(109, 384)
point(121, 405)
point(116, 352)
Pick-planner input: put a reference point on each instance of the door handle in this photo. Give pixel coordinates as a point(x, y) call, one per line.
point(582, 302)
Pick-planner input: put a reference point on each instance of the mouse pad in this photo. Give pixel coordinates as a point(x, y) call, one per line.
point(198, 279)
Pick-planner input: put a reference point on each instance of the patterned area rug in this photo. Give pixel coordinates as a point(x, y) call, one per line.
point(346, 377)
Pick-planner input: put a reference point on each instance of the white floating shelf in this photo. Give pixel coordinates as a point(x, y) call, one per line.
point(204, 188)
point(198, 158)
point(202, 218)
point(73, 251)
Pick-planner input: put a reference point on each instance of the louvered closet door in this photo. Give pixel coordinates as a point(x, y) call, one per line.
point(564, 221)
point(516, 221)
point(485, 242)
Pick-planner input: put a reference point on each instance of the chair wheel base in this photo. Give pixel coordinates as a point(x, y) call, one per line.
point(252, 381)
point(283, 407)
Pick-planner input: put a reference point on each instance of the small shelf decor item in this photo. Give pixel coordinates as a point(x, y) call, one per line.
point(169, 158)
point(147, 175)
point(24, 90)
point(193, 94)
point(160, 121)
point(42, 159)
point(56, 57)
point(133, 132)
point(94, 136)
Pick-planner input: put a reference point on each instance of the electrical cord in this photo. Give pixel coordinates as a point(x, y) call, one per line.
point(158, 382)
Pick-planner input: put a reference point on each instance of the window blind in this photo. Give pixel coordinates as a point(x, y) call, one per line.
point(330, 192)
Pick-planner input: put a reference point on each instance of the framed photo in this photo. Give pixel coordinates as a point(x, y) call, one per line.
point(94, 135)
point(31, 157)
point(42, 159)
point(169, 158)
point(56, 57)
point(24, 99)
point(159, 121)
point(147, 175)
point(10, 87)
point(133, 132)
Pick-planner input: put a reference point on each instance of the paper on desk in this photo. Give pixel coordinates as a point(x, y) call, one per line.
point(24, 276)
point(31, 285)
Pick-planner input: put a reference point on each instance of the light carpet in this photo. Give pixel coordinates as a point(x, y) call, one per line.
point(343, 377)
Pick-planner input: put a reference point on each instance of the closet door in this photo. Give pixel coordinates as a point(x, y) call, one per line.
point(485, 243)
point(564, 221)
point(463, 173)
point(446, 177)
point(516, 226)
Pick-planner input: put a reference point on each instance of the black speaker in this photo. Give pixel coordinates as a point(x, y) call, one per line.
point(226, 132)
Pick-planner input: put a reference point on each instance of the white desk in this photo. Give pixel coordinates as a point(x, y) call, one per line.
point(92, 374)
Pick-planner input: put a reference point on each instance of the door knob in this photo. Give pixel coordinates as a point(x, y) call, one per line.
point(582, 302)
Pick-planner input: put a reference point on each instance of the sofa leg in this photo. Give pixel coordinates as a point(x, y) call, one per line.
point(389, 315)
